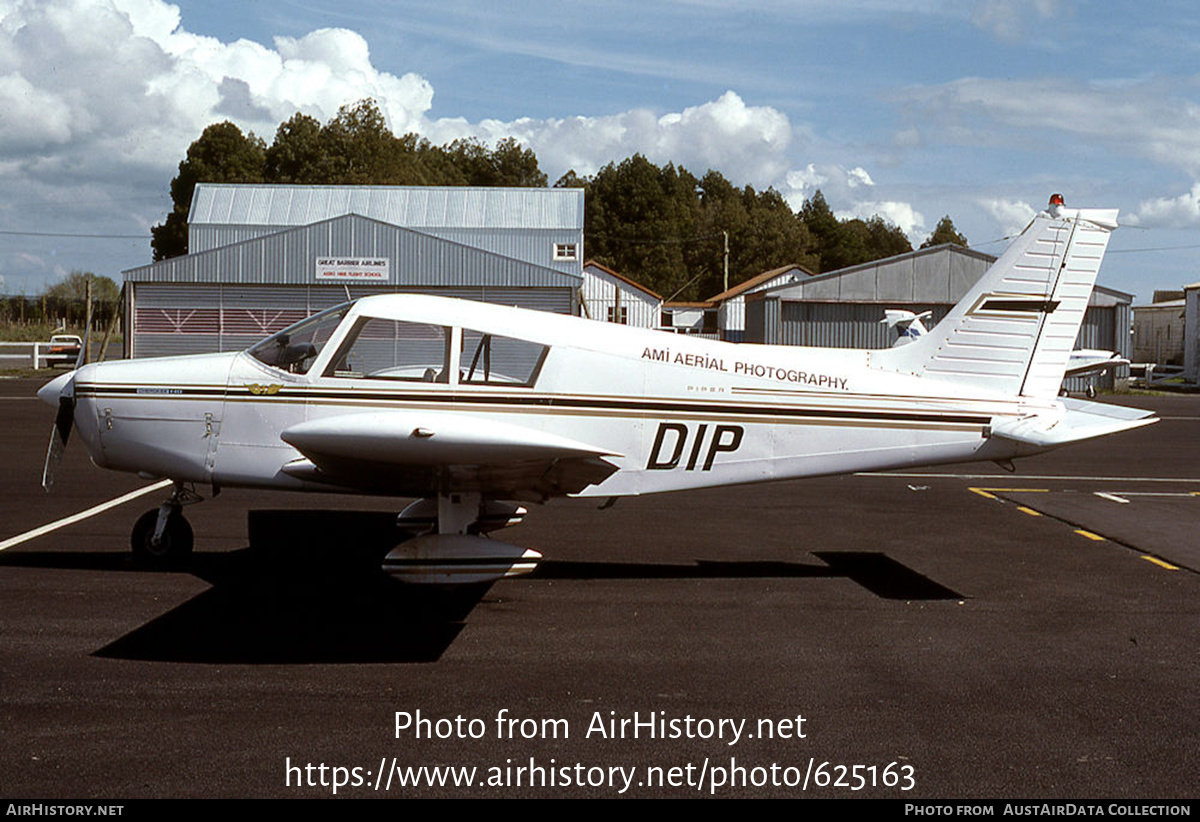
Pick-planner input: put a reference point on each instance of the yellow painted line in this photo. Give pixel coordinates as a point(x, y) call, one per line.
point(986, 492)
point(1158, 561)
point(1029, 511)
point(1089, 535)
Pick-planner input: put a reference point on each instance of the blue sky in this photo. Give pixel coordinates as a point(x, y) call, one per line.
point(907, 109)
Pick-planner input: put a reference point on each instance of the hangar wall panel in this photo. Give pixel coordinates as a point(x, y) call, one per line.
point(170, 319)
point(415, 259)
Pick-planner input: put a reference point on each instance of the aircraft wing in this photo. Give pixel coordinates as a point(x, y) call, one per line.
point(1082, 421)
point(1087, 362)
point(417, 453)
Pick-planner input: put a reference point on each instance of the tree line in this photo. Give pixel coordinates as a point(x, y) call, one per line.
point(64, 303)
point(659, 225)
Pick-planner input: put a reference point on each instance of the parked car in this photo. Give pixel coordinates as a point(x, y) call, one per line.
point(64, 349)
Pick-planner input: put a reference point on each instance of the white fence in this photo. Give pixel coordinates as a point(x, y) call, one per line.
point(20, 354)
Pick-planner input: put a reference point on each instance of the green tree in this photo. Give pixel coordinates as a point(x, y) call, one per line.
point(73, 288)
point(638, 219)
point(573, 180)
point(763, 233)
point(222, 154)
point(508, 165)
point(945, 232)
point(358, 148)
point(67, 298)
point(887, 240)
point(296, 156)
point(844, 243)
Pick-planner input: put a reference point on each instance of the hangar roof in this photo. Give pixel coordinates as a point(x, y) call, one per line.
point(631, 283)
point(415, 259)
point(419, 207)
point(940, 274)
point(762, 280)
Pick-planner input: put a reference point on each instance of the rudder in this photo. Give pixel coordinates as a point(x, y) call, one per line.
point(1014, 330)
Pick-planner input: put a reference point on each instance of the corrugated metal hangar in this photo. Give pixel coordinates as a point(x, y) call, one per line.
point(724, 316)
point(262, 257)
point(844, 309)
point(611, 297)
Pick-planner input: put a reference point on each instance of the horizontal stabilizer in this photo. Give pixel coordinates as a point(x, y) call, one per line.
point(1082, 421)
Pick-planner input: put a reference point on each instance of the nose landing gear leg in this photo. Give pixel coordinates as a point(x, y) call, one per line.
point(162, 537)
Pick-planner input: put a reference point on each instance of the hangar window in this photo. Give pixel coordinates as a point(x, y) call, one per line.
point(295, 348)
point(566, 251)
point(393, 350)
point(490, 359)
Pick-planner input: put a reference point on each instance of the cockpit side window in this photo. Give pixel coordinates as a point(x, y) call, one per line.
point(490, 359)
point(384, 349)
point(295, 348)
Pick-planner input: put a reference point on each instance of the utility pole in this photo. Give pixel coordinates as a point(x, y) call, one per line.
point(726, 234)
point(87, 322)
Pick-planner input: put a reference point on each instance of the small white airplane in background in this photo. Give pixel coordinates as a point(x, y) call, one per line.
point(475, 408)
point(908, 325)
point(1083, 362)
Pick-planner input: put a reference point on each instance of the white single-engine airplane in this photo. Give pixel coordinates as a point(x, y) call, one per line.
point(475, 407)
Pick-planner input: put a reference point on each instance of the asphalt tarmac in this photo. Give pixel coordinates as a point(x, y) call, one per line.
point(959, 632)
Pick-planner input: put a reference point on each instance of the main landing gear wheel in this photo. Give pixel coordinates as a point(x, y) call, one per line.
point(171, 550)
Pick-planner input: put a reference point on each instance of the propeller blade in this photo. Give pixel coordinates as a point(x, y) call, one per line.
point(59, 435)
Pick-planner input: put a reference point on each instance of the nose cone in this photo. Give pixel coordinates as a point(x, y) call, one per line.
point(53, 390)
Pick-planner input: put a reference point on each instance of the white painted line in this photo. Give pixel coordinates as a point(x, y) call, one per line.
point(1159, 493)
point(82, 515)
point(1112, 497)
point(1025, 477)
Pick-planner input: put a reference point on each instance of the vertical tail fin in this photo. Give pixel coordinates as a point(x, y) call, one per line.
point(1014, 330)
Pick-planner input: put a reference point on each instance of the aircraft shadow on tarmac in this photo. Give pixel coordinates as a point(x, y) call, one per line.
point(300, 595)
point(877, 572)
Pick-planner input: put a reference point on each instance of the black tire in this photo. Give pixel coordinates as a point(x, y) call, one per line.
point(174, 549)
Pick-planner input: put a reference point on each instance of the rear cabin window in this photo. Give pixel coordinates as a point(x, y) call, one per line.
point(490, 359)
point(394, 350)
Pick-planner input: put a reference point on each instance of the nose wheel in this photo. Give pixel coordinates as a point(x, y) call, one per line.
point(162, 537)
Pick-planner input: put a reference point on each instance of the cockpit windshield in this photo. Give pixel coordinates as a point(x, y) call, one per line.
point(296, 347)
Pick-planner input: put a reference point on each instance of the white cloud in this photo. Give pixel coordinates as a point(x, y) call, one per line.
point(903, 215)
point(837, 183)
point(1008, 19)
point(104, 97)
point(1152, 118)
point(1169, 212)
point(122, 80)
point(98, 78)
point(748, 144)
point(1013, 215)
point(803, 182)
point(858, 176)
point(841, 185)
